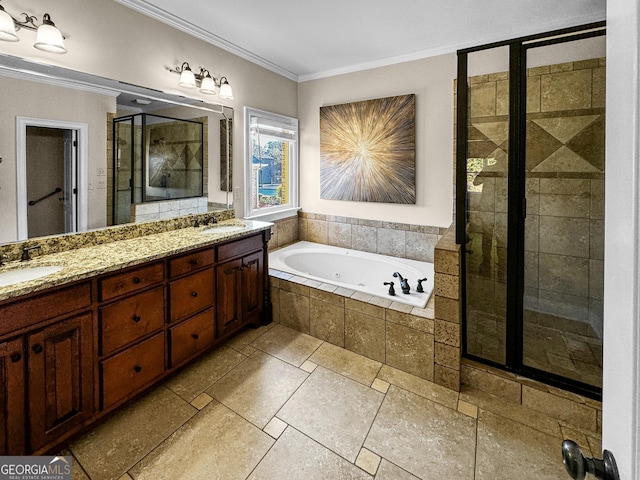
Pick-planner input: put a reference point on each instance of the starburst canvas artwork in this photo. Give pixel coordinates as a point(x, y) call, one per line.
point(367, 151)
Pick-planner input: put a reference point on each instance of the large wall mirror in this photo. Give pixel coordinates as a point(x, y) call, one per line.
point(69, 148)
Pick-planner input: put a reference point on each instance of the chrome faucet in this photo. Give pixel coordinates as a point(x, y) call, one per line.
point(404, 283)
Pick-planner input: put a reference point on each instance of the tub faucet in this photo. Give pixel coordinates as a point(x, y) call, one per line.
point(392, 291)
point(419, 288)
point(404, 283)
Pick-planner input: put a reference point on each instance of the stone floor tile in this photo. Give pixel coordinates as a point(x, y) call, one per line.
point(112, 448)
point(308, 366)
point(507, 450)
point(347, 363)
point(287, 344)
point(201, 401)
point(468, 409)
point(215, 444)
point(258, 387)
point(126, 476)
point(368, 461)
point(512, 411)
point(204, 372)
point(296, 456)
point(275, 427)
point(425, 438)
point(77, 473)
point(389, 471)
point(333, 410)
point(424, 388)
point(247, 336)
point(380, 385)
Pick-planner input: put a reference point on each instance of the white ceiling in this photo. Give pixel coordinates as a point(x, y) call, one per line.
point(307, 39)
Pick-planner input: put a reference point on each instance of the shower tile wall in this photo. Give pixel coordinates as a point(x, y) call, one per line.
point(564, 248)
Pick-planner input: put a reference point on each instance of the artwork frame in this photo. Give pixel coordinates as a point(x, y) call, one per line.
point(367, 151)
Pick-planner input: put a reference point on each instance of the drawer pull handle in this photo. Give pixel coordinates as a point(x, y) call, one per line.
point(193, 261)
point(137, 318)
point(195, 336)
point(15, 357)
point(37, 348)
point(194, 294)
point(136, 280)
point(137, 368)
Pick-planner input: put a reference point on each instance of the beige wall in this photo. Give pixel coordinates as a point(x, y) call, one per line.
point(107, 39)
point(20, 98)
point(431, 80)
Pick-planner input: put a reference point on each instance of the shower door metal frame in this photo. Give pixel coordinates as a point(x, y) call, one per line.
point(514, 338)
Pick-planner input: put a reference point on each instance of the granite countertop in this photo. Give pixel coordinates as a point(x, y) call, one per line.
point(89, 261)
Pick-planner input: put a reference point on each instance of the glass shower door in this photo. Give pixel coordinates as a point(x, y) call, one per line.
point(487, 203)
point(564, 225)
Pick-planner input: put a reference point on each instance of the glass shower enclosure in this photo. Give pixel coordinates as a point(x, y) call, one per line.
point(530, 205)
point(155, 158)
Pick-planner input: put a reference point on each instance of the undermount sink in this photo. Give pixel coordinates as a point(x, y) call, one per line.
point(224, 229)
point(25, 274)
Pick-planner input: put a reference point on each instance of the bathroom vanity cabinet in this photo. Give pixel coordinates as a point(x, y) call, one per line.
point(71, 354)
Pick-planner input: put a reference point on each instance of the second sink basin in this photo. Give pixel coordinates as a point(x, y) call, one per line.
point(25, 274)
point(224, 229)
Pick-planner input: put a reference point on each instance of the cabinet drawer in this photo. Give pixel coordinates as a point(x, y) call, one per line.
point(191, 294)
point(191, 336)
point(128, 371)
point(24, 313)
point(130, 319)
point(192, 261)
point(127, 282)
point(239, 247)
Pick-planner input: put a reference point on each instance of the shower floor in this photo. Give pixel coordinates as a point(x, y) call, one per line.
point(553, 344)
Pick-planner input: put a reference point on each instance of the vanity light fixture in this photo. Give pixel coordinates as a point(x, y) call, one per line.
point(207, 83)
point(48, 37)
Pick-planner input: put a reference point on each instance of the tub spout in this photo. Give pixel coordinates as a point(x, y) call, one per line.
point(404, 283)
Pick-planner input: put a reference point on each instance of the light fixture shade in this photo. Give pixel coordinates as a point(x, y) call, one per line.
point(49, 39)
point(7, 27)
point(208, 85)
point(225, 89)
point(187, 78)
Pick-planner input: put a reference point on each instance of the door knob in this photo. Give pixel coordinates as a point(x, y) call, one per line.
point(578, 465)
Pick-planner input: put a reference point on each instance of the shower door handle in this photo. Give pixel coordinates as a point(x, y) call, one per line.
point(578, 465)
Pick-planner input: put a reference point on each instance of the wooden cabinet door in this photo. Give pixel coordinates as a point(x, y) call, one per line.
point(229, 297)
point(60, 378)
point(252, 285)
point(12, 391)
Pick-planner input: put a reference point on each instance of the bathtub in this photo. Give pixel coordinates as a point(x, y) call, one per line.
point(360, 271)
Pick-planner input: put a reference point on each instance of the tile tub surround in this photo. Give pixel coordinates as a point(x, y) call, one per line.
point(387, 332)
point(73, 241)
point(419, 341)
point(401, 240)
point(394, 426)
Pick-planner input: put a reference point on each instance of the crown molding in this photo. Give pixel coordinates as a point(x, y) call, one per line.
point(515, 32)
point(202, 34)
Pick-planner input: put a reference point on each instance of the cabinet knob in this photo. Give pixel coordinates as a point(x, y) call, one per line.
point(137, 368)
point(195, 336)
point(193, 261)
point(37, 348)
point(137, 318)
point(136, 280)
point(15, 357)
point(194, 294)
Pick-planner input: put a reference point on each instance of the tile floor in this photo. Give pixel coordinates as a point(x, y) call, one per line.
point(274, 403)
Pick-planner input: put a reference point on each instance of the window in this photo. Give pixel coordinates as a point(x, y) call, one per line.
point(271, 162)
